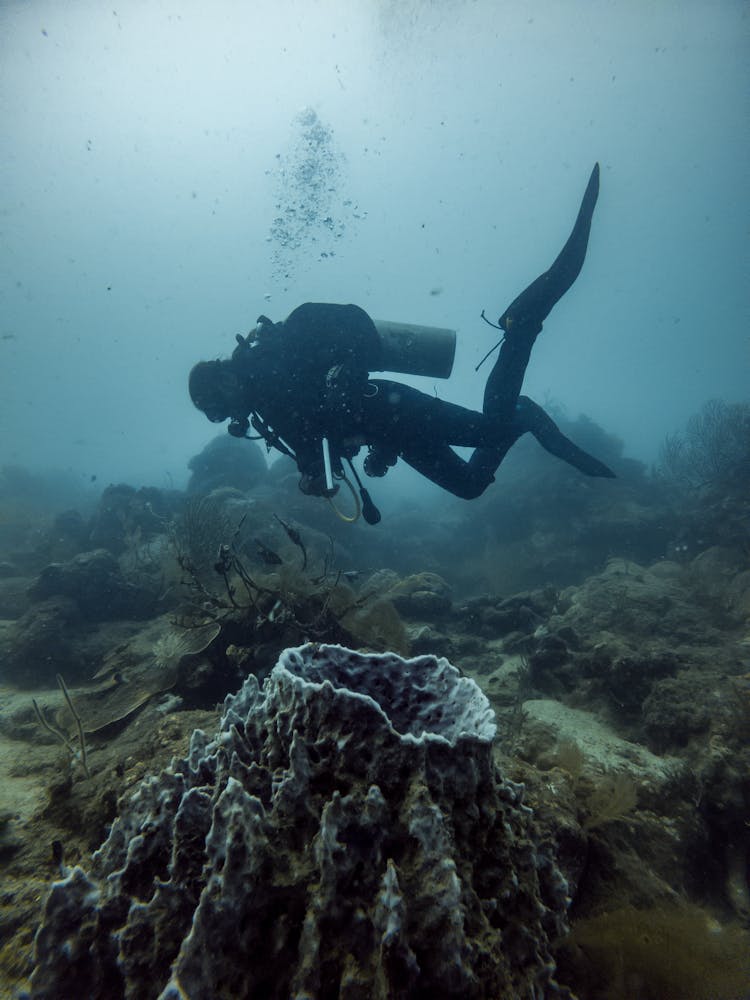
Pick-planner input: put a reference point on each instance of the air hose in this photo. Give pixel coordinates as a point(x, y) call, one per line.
point(363, 503)
point(348, 518)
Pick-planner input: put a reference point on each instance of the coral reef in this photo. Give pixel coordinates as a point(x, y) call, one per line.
point(345, 834)
point(608, 624)
point(713, 450)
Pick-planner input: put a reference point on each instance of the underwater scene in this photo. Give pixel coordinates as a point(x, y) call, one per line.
point(374, 500)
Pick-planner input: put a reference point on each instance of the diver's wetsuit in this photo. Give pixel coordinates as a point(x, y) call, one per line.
point(308, 379)
point(421, 430)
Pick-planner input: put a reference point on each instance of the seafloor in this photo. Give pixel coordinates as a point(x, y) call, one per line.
point(608, 624)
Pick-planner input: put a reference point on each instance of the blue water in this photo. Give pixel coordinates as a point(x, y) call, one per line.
point(150, 150)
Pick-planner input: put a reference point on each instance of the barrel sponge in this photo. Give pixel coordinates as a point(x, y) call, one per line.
point(345, 834)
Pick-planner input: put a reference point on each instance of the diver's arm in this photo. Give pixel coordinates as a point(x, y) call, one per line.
point(311, 465)
point(527, 312)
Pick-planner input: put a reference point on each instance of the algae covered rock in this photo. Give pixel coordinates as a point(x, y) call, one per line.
point(345, 834)
point(423, 595)
point(94, 581)
point(39, 643)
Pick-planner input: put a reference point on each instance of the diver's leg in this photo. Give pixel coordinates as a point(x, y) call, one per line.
point(523, 318)
point(506, 378)
point(420, 428)
point(397, 419)
point(440, 464)
point(486, 460)
point(531, 417)
point(397, 415)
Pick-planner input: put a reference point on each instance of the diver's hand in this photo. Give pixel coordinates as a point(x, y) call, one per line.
point(315, 486)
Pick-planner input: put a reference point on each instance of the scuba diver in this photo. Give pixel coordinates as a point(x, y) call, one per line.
point(304, 384)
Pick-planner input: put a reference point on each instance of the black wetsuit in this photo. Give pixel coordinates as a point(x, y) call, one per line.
point(307, 378)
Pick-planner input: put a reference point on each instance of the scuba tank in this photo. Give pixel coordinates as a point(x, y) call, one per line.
point(402, 348)
point(409, 349)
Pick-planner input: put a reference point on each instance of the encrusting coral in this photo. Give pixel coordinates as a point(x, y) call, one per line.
point(345, 834)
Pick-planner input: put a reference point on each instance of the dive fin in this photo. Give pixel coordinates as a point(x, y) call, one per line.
point(527, 312)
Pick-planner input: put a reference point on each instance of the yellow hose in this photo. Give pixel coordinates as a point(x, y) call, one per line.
point(349, 519)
